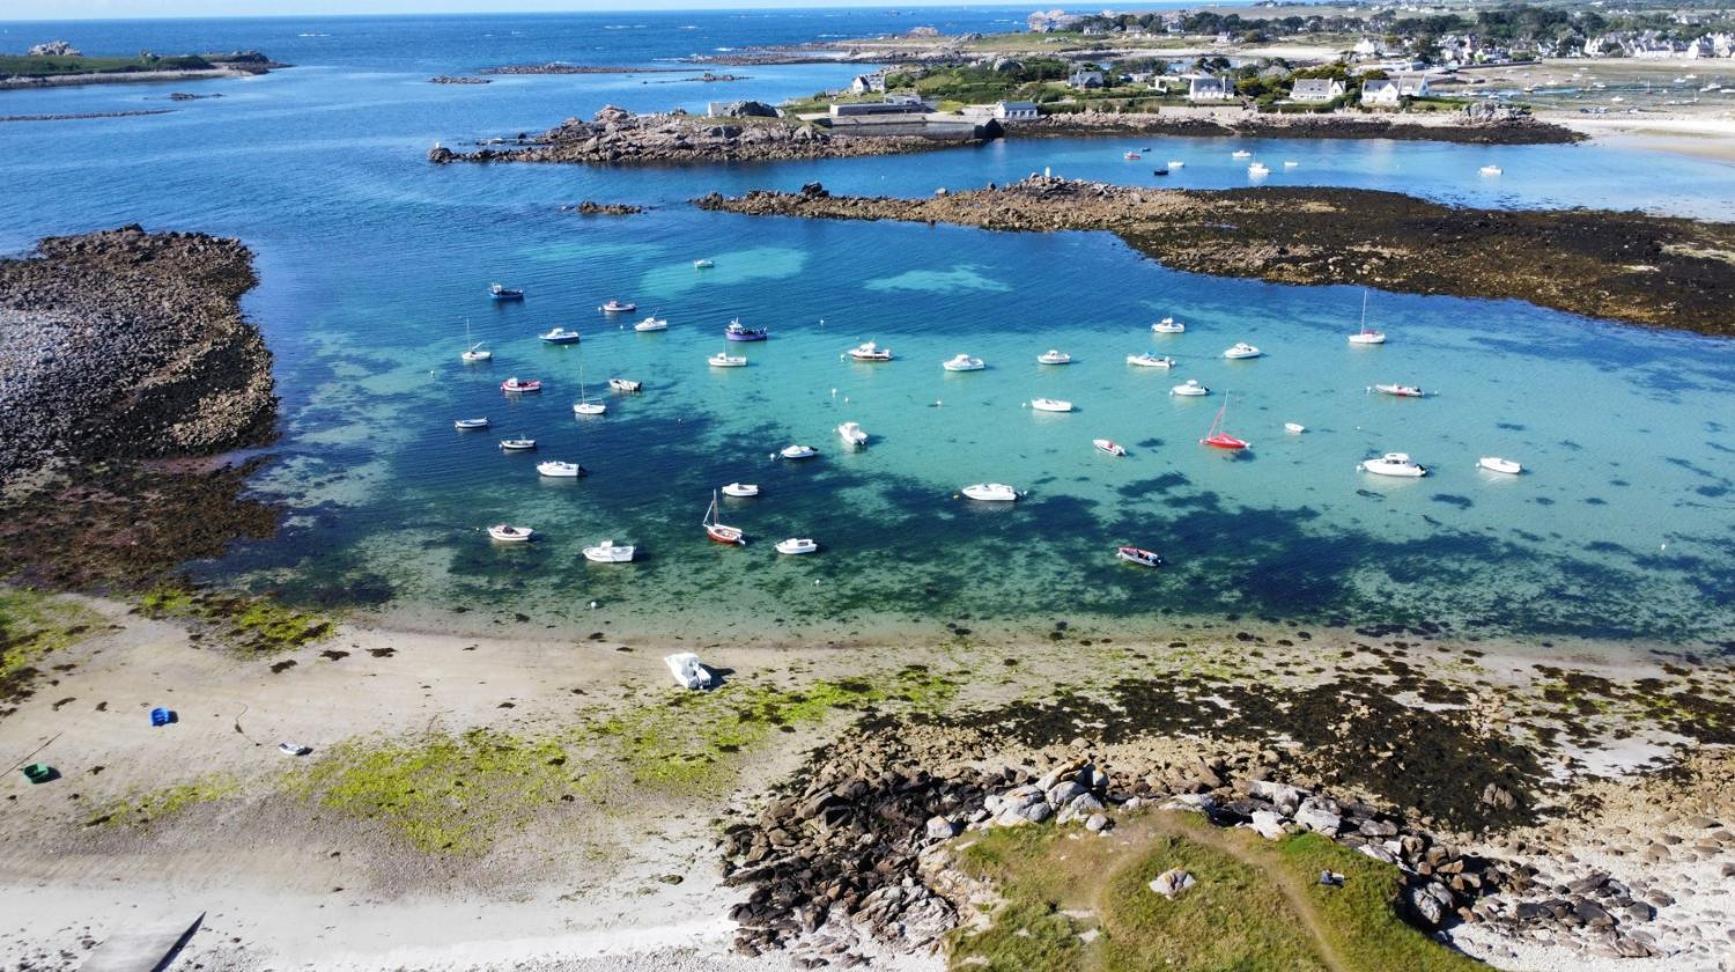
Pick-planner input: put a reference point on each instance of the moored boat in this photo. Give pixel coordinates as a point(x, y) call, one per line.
point(507, 533)
point(741, 490)
point(1495, 464)
point(797, 545)
point(737, 331)
point(1169, 325)
point(724, 359)
point(652, 323)
point(517, 445)
point(588, 407)
point(963, 362)
point(797, 452)
point(1050, 405)
point(1397, 464)
point(556, 469)
point(609, 552)
point(1490, 170)
point(1241, 351)
point(1132, 156)
point(1217, 438)
point(990, 492)
point(618, 307)
point(1240, 154)
point(852, 435)
point(559, 335)
point(1294, 428)
point(626, 385)
point(515, 386)
point(503, 292)
point(1366, 336)
point(703, 264)
point(1400, 391)
point(476, 354)
point(1190, 389)
point(718, 532)
point(1054, 356)
point(470, 424)
point(1109, 446)
point(1258, 169)
point(1148, 360)
point(869, 351)
point(1138, 556)
point(688, 671)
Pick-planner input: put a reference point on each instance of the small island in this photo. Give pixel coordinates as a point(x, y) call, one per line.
point(58, 63)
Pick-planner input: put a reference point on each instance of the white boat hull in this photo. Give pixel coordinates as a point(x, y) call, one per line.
point(796, 545)
point(609, 552)
point(741, 490)
point(1050, 405)
point(1495, 464)
point(990, 493)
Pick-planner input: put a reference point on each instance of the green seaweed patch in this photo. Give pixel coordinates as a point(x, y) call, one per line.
point(441, 793)
point(33, 626)
point(251, 623)
point(151, 806)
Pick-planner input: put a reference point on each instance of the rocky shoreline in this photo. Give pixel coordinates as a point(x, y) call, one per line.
point(1477, 126)
point(1649, 270)
point(616, 136)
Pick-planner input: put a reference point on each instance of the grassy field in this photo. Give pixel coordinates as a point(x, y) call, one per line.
point(24, 66)
point(1074, 901)
point(33, 627)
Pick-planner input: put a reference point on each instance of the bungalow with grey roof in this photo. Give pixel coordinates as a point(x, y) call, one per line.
point(1316, 90)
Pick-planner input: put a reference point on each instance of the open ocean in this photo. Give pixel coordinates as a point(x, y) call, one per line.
point(371, 260)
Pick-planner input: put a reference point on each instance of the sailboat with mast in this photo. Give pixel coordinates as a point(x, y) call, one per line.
point(584, 406)
point(718, 532)
point(1367, 335)
point(476, 353)
point(1219, 439)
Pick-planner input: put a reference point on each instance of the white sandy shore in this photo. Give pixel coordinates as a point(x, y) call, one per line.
point(1705, 135)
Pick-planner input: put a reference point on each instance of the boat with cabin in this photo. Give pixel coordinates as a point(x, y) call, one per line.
point(517, 386)
point(1190, 389)
point(1138, 556)
point(703, 263)
point(724, 359)
point(1109, 446)
point(852, 435)
point(797, 545)
point(556, 469)
point(869, 351)
point(626, 385)
point(502, 292)
point(1400, 391)
point(1054, 356)
point(1242, 351)
point(652, 323)
point(741, 490)
point(1050, 405)
point(990, 493)
point(618, 307)
point(1148, 360)
point(559, 335)
point(963, 362)
point(1397, 464)
point(517, 445)
point(737, 331)
point(1169, 325)
point(1495, 464)
point(609, 552)
point(507, 533)
point(797, 451)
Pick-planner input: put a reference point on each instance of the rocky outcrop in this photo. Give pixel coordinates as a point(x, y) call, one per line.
point(1477, 126)
point(129, 345)
point(617, 136)
point(593, 208)
point(1652, 270)
point(458, 79)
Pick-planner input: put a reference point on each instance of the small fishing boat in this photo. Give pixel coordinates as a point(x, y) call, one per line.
point(1294, 428)
point(724, 359)
point(1291, 164)
point(1258, 169)
point(703, 264)
point(1148, 360)
point(1393, 464)
point(852, 435)
point(1160, 172)
point(652, 323)
point(1240, 154)
point(626, 385)
point(688, 672)
point(555, 469)
point(587, 407)
point(559, 335)
point(507, 533)
point(1219, 439)
point(797, 545)
point(1132, 156)
point(741, 490)
point(1054, 357)
point(470, 425)
point(1495, 464)
point(503, 292)
point(1190, 389)
point(869, 351)
point(1176, 164)
point(1399, 391)
point(797, 452)
point(1491, 170)
point(1367, 336)
point(1050, 405)
point(514, 386)
point(476, 353)
point(717, 531)
point(609, 552)
point(990, 492)
point(618, 307)
point(737, 331)
point(1241, 351)
point(517, 445)
point(1138, 556)
point(1168, 325)
point(1109, 446)
point(963, 362)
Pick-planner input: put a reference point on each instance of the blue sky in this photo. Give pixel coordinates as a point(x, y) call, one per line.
point(106, 9)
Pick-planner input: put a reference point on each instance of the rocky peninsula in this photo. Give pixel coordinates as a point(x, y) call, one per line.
point(1649, 270)
point(617, 136)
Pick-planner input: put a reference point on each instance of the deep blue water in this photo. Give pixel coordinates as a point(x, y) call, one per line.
point(372, 260)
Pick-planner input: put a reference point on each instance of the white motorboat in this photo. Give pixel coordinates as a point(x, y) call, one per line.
point(1495, 464)
point(1148, 360)
point(869, 351)
point(559, 335)
point(798, 452)
point(688, 671)
point(517, 445)
point(1241, 351)
point(724, 359)
point(507, 533)
point(1367, 336)
point(1138, 556)
point(293, 749)
point(588, 408)
point(1109, 446)
point(990, 492)
point(1393, 464)
point(741, 490)
point(1294, 428)
point(1190, 389)
point(797, 545)
point(1400, 391)
point(1177, 164)
point(1291, 164)
point(652, 323)
point(703, 264)
point(1054, 357)
point(1258, 169)
point(1491, 170)
point(963, 362)
point(1050, 405)
point(1168, 325)
point(555, 469)
point(609, 552)
point(618, 307)
point(1240, 154)
point(469, 425)
point(626, 385)
point(852, 435)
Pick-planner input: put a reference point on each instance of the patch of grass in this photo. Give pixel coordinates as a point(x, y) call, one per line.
point(441, 793)
point(32, 627)
point(251, 623)
point(148, 807)
point(27, 66)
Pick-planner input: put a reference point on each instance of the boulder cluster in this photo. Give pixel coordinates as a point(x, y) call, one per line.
point(127, 344)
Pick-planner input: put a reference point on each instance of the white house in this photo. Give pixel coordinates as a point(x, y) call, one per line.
point(1006, 111)
point(1085, 79)
point(1210, 89)
point(868, 84)
point(1368, 47)
point(1387, 94)
point(1316, 90)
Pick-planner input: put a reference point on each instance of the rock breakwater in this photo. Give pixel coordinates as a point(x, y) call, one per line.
point(1651, 270)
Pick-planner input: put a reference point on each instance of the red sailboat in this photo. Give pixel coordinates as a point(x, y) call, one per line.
point(1219, 439)
point(717, 531)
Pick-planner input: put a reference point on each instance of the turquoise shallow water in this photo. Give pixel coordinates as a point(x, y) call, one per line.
point(371, 261)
